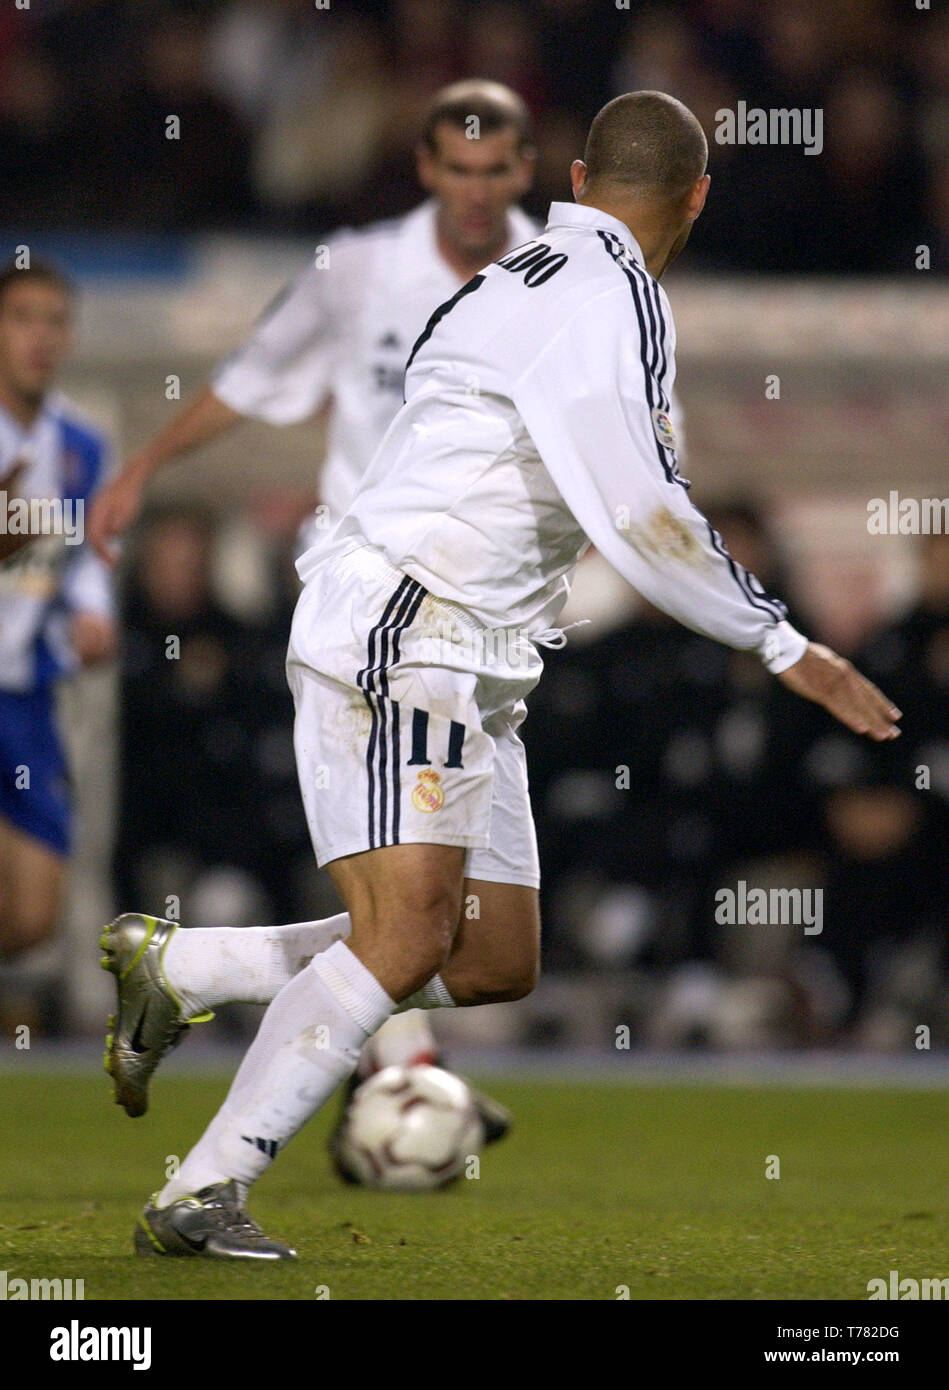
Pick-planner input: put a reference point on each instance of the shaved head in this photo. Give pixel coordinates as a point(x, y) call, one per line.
point(648, 143)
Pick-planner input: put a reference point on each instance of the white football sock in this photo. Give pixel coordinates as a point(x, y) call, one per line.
point(208, 966)
point(308, 1042)
point(406, 1038)
point(434, 995)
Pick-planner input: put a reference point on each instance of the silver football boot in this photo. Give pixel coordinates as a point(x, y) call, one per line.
point(150, 1019)
point(209, 1224)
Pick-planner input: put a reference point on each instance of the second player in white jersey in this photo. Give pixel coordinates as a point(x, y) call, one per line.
point(339, 335)
point(343, 332)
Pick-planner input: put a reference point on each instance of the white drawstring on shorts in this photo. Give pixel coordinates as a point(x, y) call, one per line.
point(556, 637)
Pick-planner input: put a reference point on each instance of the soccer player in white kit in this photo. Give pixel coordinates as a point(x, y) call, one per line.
point(536, 420)
point(340, 334)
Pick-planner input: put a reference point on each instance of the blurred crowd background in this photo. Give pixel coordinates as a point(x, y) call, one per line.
point(664, 767)
point(308, 120)
point(301, 116)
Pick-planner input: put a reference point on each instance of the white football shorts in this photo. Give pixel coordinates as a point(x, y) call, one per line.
point(406, 717)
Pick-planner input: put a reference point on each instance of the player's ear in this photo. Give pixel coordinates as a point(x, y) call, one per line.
point(578, 176)
point(697, 196)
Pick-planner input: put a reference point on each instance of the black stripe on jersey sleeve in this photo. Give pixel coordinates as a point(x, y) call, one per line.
point(655, 395)
point(648, 350)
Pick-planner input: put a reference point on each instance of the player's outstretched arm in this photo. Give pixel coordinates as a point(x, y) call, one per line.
point(830, 680)
point(114, 508)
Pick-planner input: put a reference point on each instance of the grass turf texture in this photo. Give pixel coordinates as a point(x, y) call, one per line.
point(660, 1188)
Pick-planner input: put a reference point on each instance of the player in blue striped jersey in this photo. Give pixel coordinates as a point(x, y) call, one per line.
point(55, 594)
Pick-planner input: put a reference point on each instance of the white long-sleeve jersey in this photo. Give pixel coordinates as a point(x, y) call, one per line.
point(342, 331)
point(536, 420)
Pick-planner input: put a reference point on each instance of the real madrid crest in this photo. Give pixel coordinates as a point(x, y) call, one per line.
point(428, 794)
point(663, 428)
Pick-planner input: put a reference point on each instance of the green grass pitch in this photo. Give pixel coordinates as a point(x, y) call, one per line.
point(659, 1188)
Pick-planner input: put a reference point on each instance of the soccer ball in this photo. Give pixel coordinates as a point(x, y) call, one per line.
point(410, 1129)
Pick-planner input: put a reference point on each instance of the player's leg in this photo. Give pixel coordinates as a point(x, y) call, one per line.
point(168, 978)
point(32, 878)
point(495, 959)
point(496, 953)
point(373, 774)
point(34, 821)
point(210, 966)
point(206, 967)
point(495, 956)
point(403, 901)
point(429, 773)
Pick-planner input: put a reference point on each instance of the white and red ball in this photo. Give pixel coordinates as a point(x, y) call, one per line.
point(410, 1129)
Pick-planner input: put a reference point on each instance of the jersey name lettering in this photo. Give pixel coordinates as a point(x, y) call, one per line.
point(537, 263)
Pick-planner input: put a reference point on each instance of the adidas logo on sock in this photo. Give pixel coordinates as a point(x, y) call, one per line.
point(266, 1146)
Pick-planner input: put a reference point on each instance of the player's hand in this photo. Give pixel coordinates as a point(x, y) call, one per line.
point(10, 479)
point(114, 508)
point(93, 638)
point(830, 680)
point(11, 544)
